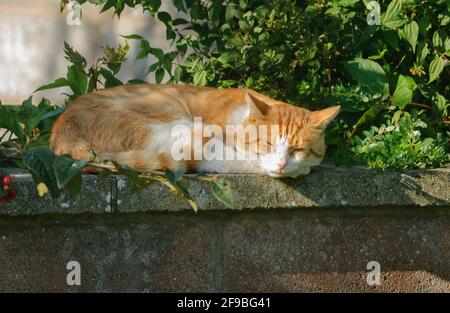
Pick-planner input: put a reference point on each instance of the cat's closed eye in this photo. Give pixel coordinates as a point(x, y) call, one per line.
point(296, 153)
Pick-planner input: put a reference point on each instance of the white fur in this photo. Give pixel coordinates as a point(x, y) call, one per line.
point(162, 138)
point(231, 161)
point(238, 116)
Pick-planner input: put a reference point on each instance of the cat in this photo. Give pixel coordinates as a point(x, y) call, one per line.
point(133, 125)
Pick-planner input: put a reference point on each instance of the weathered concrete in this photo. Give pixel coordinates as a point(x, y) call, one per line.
point(350, 187)
point(316, 233)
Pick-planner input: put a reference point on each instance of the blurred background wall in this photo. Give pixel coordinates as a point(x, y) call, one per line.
point(32, 35)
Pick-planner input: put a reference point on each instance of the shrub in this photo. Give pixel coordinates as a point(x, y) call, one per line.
point(391, 80)
point(317, 54)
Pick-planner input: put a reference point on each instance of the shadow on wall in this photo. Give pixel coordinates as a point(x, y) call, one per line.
point(331, 254)
point(399, 188)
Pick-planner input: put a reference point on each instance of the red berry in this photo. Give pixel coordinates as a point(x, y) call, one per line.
point(7, 180)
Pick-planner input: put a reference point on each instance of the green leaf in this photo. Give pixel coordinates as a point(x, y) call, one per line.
point(391, 38)
point(411, 33)
point(137, 183)
point(40, 163)
point(369, 115)
point(438, 42)
point(179, 21)
point(221, 189)
point(51, 114)
point(174, 177)
point(422, 52)
point(136, 82)
point(110, 80)
point(133, 36)
point(10, 121)
point(108, 5)
point(165, 18)
point(74, 185)
point(440, 104)
point(66, 168)
point(436, 68)
point(73, 56)
point(369, 74)
point(179, 5)
point(392, 18)
point(404, 91)
point(60, 82)
point(77, 79)
point(200, 78)
point(178, 73)
point(159, 75)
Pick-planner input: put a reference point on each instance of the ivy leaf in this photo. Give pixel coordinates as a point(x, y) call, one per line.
point(404, 91)
point(40, 163)
point(221, 189)
point(436, 68)
point(369, 74)
point(66, 168)
point(411, 33)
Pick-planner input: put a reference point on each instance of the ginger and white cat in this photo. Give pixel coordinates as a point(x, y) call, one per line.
point(133, 125)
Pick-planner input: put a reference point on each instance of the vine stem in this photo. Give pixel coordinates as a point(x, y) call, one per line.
point(421, 105)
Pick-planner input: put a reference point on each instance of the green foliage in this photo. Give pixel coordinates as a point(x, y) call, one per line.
point(400, 143)
point(312, 53)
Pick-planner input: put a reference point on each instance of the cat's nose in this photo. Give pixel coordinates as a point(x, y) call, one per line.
point(282, 165)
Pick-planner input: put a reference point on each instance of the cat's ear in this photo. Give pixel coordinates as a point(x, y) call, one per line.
point(321, 119)
point(256, 107)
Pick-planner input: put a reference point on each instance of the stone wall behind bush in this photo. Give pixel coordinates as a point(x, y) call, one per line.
point(32, 34)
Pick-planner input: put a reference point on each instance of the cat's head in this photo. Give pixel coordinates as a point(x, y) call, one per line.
point(299, 142)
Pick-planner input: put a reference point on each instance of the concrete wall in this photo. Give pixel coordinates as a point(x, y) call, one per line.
point(32, 35)
point(316, 233)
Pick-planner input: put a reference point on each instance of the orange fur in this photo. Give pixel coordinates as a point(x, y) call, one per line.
point(120, 123)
